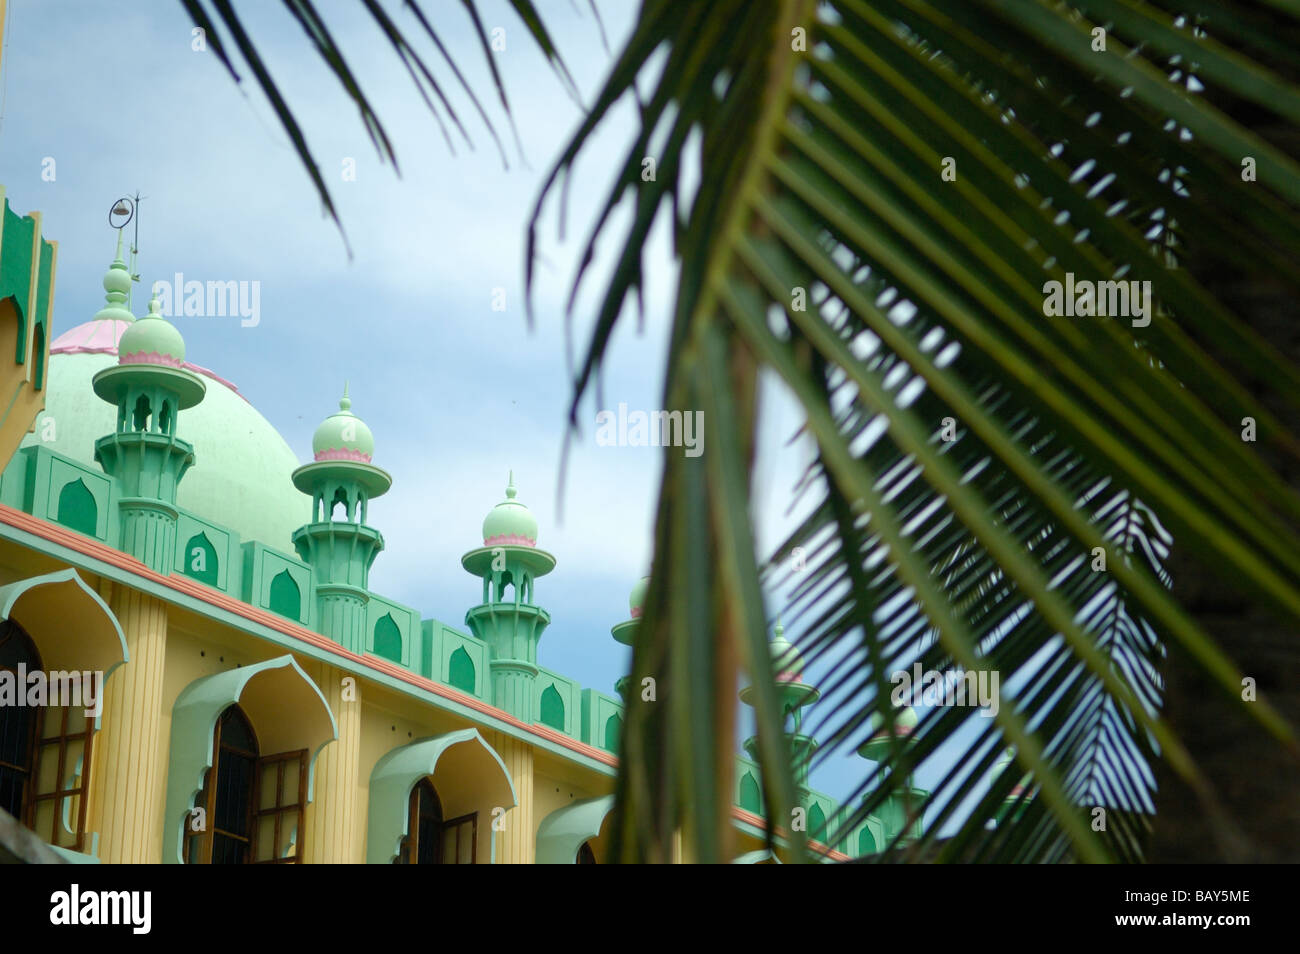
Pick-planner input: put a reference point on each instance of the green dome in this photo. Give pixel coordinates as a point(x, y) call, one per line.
point(343, 436)
point(510, 522)
point(242, 476)
point(636, 600)
point(152, 340)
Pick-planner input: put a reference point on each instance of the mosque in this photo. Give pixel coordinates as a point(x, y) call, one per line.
point(261, 703)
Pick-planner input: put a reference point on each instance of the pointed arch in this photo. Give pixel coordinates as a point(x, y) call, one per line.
point(201, 560)
point(286, 598)
point(564, 831)
point(285, 707)
point(460, 671)
point(613, 732)
point(817, 823)
point(866, 842)
point(77, 508)
point(468, 774)
point(73, 628)
point(751, 799)
point(388, 638)
point(552, 708)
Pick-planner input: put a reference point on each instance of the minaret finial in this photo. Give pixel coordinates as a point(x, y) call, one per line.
point(345, 402)
point(510, 487)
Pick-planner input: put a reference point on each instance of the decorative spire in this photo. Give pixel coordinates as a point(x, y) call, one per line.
point(345, 402)
point(117, 288)
point(510, 487)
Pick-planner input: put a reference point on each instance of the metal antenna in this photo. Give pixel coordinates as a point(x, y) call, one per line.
point(135, 250)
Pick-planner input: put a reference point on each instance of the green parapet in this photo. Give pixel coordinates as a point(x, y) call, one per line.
point(208, 552)
point(286, 709)
point(602, 720)
point(508, 620)
point(68, 492)
point(454, 658)
point(275, 581)
point(559, 702)
point(393, 632)
point(341, 551)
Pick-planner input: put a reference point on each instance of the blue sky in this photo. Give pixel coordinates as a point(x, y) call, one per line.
point(455, 392)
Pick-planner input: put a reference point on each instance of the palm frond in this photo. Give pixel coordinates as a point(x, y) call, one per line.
point(424, 78)
point(887, 187)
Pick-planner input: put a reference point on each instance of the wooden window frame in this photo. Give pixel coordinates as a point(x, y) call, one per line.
point(282, 760)
point(410, 852)
point(64, 739)
point(460, 822)
point(36, 747)
point(255, 813)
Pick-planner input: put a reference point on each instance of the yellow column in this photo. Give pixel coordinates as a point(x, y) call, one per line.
point(334, 825)
point(127, 775)
point(517, 843)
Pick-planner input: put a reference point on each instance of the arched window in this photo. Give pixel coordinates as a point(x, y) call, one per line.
point(44, 749)
point(286, 598)
point(460, 671)
point(77, 508)
point(201, 559)
point(585, 855)
point(17, 724)
point(388, 638)
point(431, 840)
point(141, 418)
point(552, 709)
point(751, 800)
point(252, 804)
point(340, 500)
point(165, 418)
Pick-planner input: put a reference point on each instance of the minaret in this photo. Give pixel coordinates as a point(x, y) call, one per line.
point(893, 812)
point(150, 387)
point(625, 632)
point(508, 619)
point(341, 551)
point(794, 694)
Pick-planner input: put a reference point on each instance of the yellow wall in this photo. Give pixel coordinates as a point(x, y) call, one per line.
point(171, 647)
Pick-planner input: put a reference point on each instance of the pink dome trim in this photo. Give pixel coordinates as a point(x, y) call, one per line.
point(101, 337)
point(342, 453)
point(636, 612)
point(510, 539)
point(151, 357)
